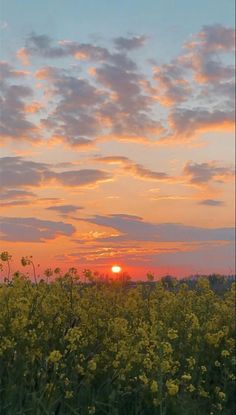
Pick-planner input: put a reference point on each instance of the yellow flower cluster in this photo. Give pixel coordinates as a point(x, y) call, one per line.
point(107, 347)
point(172, 387)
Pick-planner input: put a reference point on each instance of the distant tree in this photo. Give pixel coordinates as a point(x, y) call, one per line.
point(169, 282)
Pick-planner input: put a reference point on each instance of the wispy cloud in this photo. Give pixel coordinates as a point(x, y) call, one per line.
point(135, 169)
point(32, 229)
point(211, 202)
point(15, 171)
point(64, 209)
point(134, 228)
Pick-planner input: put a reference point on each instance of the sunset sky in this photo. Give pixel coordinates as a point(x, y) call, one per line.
point(117, 126)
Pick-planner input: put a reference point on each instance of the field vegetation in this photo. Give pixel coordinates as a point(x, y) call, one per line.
point(89, 345)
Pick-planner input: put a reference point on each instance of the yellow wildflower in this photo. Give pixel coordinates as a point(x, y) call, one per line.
point(55, 356)
point(203, 393)
point(69, 394)
point(172, 334)
point(143, 378)
point(186, 377)
point(222, 395)
point(172, 387)
point(92, 365)
point(191, 388)
point(165, 366)
point(191, 362)
point(154, 386)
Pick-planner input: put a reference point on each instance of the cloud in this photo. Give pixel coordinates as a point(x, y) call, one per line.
point(13, 118)
point(15, 171)
point(14, 203)
point(128, 112)
point(217, 38)
point(82, 177)
point(186, 123)
point(65, 209)
point(199, 78)
point(114, 100)
point(130, 43)
point(211, 202)
point(200, 62)
point(16, 194)
point(134, 168)
point(23, 55)
point(202, 173)
point(8, 72)
point(117, 106)
point(133, 228)
point(42, 45)
point(73, 119)
point(32, 229)
point(204, 53)
point(13, 100)
point(204, 260)
point(172, 85)
point(13, 198)
point(181, 258)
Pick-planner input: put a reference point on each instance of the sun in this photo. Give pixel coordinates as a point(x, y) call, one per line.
point(116, 269)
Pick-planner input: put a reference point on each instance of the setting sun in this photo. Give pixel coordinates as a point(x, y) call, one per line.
point(116, 269)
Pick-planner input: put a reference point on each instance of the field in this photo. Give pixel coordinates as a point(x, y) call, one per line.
point(109, 347)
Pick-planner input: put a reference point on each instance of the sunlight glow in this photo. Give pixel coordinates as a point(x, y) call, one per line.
point(116, 269)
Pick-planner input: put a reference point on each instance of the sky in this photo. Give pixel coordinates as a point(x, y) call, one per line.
point(117, 135)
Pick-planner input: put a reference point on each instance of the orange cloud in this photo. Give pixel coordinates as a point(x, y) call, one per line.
point(33, 107)
point(23, 55)
point(44, 73)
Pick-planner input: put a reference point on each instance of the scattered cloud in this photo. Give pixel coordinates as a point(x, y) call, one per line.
point(203, 173)
point(80, 96)
point(130, 43)
point(115, 100)
point(211, 202)
point(65, 209)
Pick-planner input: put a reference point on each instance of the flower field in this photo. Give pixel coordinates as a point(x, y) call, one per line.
point(98, 347)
